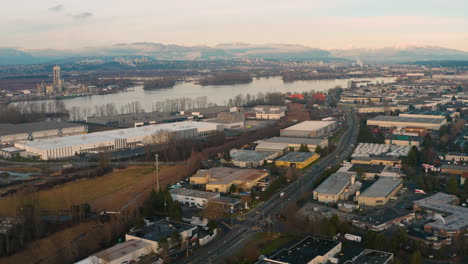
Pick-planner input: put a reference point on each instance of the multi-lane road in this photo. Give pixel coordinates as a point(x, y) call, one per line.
point(233, 238)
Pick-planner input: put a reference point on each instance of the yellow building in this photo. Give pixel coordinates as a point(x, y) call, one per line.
point(297, 159)
point(220, 179)
point(377, 160)
point(380, 192)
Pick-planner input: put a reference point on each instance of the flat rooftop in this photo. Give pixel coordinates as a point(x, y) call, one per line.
point(9, 129)
point(122, 249)
point(293, 140)
point(252, 155)
point(334, 183)
point(367, 168)
point(370, 256)
point(310, 125)
point(111, 135)
point(407, 119)
point(304, 251)
point(225, 175)
point(161, 229)
point(193, 193)
point(456, 216)
point(428, 112)
point(383, 216)
point(382, 187)
point(294, 156)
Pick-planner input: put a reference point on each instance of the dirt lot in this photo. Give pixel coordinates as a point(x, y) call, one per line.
point(110, 192)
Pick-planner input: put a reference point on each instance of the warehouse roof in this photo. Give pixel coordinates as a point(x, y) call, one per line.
point(122, 249)
point(297, 156)
point(382, 187)
point(161, 229)
point(294, 140)
point(384, 216)
point(334, 183)
point(304, 251)
point(310, 125)
point(225, 175)
point(407, 119)
point(252, 155)
point(443, 203)
point(193, 193)
point(111, 135)
point(369, 256)
point(8, 129)
point(428, 112)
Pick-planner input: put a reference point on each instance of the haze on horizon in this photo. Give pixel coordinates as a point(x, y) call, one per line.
point(67, 24)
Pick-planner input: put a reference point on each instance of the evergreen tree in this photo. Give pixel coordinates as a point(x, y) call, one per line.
point(452, 185)
point(304, 148)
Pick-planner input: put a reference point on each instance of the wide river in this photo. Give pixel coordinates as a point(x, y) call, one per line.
point(218, 94)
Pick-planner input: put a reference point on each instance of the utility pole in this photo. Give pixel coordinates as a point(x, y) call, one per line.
point(156, 164)
point(269, 223)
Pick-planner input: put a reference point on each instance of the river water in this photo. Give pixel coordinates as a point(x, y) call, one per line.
point(219, 94)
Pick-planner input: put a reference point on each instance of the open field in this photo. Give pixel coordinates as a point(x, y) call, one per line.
point(110, 191)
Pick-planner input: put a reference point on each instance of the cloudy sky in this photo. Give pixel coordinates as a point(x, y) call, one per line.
point(68, 24)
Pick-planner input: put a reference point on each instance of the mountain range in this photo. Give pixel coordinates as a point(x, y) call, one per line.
point(156, 51)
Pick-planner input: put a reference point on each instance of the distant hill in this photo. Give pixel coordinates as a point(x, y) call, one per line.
point(156, 51)
point(10, 56)
point(399, 54)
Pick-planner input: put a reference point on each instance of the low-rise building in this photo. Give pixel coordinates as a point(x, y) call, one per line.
point(220, 179)
point(310, 250)
point(459, 157)
point(368, 256)
point(404, 140)
point(125, 252)
point(309, 129)
point(298, 160)
point(269, 112)
point(163, 230)
point(455, 169)
point(431, 114)
point(376, 160)
point(404, 121)
point(12, 133)
point(192, 197)
point(251, 158)
point(380, 192)
point(280, 148)
point(383, 219)
point(338, 186)
point(452, 220)
point(294, 143)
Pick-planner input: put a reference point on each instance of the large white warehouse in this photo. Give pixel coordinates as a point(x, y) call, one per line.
point(63, 147)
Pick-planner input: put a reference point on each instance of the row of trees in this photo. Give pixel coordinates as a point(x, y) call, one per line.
point(269, 98)
point(32, 112)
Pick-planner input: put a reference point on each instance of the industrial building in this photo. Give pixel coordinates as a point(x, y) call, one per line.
point(12, 133)
point(455, 169)
point(309, 129)
point(368, 256)
point(136, 120)
point(163, 230)
point(125, 252)
point(431, 114)
point(280, 148)
point(380, 192)
point(230, 120)
point(63, 147)
point(403, 121)
point(192, 197)
point(269, 112)
point(220, 179)
point(298, 160)
point(338, 186)
point(293, 143)
point(404, 140)
point(383, 219)
point(375, 160)
point(459, 157)
point(251, 158)
point(381, 109)
point(452, 220)
point(313, 250)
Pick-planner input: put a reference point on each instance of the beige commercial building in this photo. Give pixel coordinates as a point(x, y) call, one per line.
point(220, 179)
point(380, 192)
point(338, 186)
point(403, 121)
point(309, 129)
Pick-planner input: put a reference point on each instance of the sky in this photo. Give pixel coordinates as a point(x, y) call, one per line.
point(327, 24)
